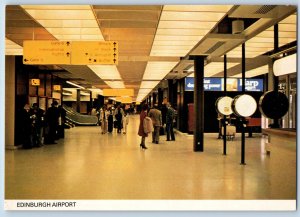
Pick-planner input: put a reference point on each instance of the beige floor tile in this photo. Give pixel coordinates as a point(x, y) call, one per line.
point(88, 165)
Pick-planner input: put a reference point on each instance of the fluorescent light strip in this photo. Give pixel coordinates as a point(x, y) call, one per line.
point(157, 70)
point(199, 8)
point(108, 72)
point(216, 67)
point(67, 22)
point(76, 85)
point(96, 90)
point(143, 93)
point(191, 16)
point(213, 68)
point(184, 25)
point(67, 94)
point(154, 71)
point(115, 84)
point(148, 84)
point(84, 94)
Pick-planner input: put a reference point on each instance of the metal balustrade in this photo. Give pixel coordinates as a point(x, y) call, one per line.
point(79, 119)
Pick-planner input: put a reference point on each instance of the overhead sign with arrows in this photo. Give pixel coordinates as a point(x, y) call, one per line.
point(74, 53)
point(46, 52)
point(94, 52)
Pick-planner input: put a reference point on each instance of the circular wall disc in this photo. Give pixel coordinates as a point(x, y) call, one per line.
point(244, 105)
point(223, 105)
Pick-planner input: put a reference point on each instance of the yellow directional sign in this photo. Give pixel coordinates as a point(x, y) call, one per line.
point(46, 52)
point(118, 92)
point(94, 52)
point(124, 100)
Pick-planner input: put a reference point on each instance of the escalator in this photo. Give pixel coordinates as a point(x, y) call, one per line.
point(78, 119)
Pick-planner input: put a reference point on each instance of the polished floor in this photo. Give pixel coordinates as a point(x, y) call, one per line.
point(89, 165)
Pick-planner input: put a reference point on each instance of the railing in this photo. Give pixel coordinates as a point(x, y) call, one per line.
point(79, 119)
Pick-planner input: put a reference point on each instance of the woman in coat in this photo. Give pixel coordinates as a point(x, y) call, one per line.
point(104, 116)
point(141, 132)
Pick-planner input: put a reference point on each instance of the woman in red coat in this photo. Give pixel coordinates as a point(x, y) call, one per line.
point(141, 127)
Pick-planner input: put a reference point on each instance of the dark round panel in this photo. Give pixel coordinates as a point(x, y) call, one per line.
point(273, 104)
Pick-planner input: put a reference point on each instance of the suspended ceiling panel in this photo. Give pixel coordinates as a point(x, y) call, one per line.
point(19, 26)
point(148, 33)
point(83, 72)
point(134, 28)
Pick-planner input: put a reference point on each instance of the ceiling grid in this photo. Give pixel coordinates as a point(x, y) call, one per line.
point(152, 39)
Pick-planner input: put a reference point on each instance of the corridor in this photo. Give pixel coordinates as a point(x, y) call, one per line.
point(88, 165)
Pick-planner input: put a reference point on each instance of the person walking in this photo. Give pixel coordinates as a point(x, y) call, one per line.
point(119, 113)
point(104, 117)
point(125, 122)
point(26, 129)
point(141, 132)
point(110, 120)
point(169, 122)
point(52, 116)
point(156, 118)
point(37, 116)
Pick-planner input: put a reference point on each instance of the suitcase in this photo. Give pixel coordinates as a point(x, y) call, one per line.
point(110, 123)
point(162, 131)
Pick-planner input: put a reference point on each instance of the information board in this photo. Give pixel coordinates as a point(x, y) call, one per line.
point(94, 52)
point(251, 85)
point(118, 92)
point(233, 84)
point(124, 99)
point(70, 53)
point(46, 52)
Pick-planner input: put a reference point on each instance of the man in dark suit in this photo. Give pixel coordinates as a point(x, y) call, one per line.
point(52, 116)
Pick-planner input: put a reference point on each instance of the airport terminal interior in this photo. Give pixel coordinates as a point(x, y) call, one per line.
point(170, 102)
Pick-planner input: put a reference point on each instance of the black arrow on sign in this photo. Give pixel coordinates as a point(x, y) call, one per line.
point(25, 60)
point(86, 54)
point(115, 55)
point(114, 60)
point(115, 44)
point(68, 54)
point(90, 59)
point(115, 49)
point(68, 43)
point(95, 60)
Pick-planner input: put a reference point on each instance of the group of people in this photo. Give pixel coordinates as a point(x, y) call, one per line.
point(41, 127)
point(158, 120)
point(110, 118)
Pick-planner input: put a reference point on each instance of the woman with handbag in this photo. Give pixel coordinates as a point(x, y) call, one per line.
point(141, 132)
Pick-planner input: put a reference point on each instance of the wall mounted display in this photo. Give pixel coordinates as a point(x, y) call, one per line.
point(244, 105)
point(223, 105)
point(35, 82)
point(56, 87)
point(251, 84)
point(285, 65)
point(273, 104)
point(233, 84)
